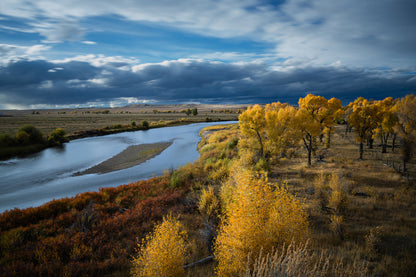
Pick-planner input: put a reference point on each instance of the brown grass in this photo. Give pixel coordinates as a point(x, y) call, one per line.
point(76, 120)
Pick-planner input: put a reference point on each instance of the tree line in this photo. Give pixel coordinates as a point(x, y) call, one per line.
point(28, 139)
point(272, 130)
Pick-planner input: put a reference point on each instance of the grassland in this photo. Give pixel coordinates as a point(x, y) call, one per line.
point(74, 121)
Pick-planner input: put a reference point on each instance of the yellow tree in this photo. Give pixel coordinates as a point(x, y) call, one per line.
point(405, 109)
point(362, 118)
point(387, 120)
point(260, 217)
point(310, 118)
point(252, 125)
point(335, 112)
point(279, 127)
point(162, 253)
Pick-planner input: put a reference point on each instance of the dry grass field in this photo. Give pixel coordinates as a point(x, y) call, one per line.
point(363, 217)
point(374, 219)
point(76, 120)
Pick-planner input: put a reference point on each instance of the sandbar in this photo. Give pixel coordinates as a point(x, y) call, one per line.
point(131, 156)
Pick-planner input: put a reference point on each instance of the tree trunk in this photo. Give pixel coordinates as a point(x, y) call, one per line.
point(261, 144)
point(328, 139)
point(361, 150)
point(384, 143)
point(384, 148)
point(370, 143)
point(308, 146)
point(393, 143)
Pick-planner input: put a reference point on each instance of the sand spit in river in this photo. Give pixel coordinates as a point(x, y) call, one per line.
point(131, 156)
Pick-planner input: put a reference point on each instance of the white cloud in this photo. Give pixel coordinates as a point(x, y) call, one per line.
point(89, 42)
point(10, 52)
point(101, 60)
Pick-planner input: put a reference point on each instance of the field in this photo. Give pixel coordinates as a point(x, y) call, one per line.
point(76, 120)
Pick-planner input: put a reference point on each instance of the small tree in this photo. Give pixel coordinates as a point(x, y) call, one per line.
point(259, 217)
point(252, 125)
point(57, 137)
point(162, 253)
point(35, 136)
point(194, 111)
point(145, 124)
point(311, 118)
point(363, 119)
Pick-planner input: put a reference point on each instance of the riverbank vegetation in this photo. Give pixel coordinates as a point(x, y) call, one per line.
point(58, 126)
point(28, 139)
point(290, 191)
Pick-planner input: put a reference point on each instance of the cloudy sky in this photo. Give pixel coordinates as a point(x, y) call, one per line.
point(79, 53)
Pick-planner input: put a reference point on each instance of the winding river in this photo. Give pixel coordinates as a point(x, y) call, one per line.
point(48, 175)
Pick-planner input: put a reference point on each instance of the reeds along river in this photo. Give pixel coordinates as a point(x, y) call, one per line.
point(48, 175)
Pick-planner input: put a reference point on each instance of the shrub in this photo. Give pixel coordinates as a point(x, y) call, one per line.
point(6, 140)
point(57, 137)
point(260, 217)
point(162, 253)
point(35, 136)
point(338, 200)
point(145, 124)
point(22, 138)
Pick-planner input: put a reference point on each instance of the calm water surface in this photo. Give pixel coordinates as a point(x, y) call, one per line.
point(47, 175)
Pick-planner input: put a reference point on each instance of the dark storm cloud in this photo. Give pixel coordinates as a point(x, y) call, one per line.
point(28, 83)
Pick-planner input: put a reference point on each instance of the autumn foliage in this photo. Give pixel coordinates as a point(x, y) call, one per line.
point(260, 217)
point(163, 252)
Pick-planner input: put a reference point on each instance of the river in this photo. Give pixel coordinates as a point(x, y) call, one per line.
point(48, 175)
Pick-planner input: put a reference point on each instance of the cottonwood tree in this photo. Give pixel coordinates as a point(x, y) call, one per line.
point(335, 112)
point(387, 119)
point(363, 120)
point(252, 125)
point(405, 109)
point(279, 127)
point(310, 119)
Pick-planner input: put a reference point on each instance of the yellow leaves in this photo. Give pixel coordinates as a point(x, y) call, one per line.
point(252, 120)
point(363, 118)
point(208, 204)
point(162, 253)
point(260, 216)
point(405, 108)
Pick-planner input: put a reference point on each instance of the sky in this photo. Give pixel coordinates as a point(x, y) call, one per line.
point(106, 53)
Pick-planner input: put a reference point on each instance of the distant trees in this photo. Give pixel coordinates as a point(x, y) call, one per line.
point(28, 139)
point(277, 126)
point(30, 134)
point(145, 124)
point(57, 137)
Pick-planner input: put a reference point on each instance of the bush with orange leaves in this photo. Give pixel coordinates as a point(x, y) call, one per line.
point(259, 218)
point(162, 253)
